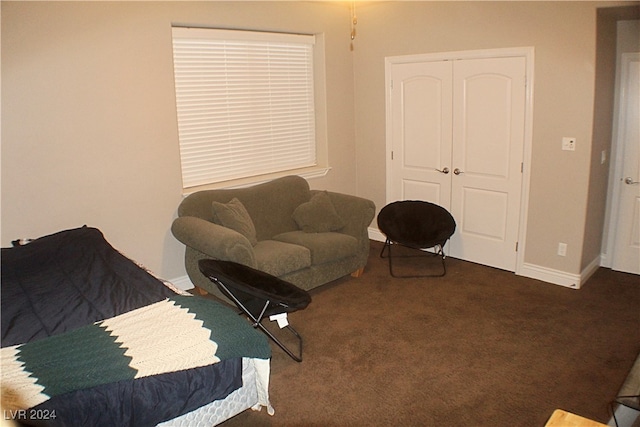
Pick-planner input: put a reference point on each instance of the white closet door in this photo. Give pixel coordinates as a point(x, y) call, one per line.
point(421, 128)
point(457, 130)
point(488, 141)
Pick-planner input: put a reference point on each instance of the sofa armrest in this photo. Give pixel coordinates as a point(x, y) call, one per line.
point(356, 212)
point(213, 240)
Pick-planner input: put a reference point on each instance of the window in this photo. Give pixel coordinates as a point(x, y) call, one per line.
point(245, 103)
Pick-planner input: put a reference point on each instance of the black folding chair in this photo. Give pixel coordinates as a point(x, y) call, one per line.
point(258, 295)
point(416, 224)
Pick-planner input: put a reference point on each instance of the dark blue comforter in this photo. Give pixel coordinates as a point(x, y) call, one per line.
point(72, 278)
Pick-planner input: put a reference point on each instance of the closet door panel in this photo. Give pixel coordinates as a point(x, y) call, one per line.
point(488, 141)
point(486, 126)
point(421, 99)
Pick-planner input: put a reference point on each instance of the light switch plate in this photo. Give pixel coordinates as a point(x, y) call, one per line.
point(569, 143)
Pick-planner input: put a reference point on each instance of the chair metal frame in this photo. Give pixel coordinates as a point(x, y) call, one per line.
point(258, 295)
point(257, 320)
point(438, 250)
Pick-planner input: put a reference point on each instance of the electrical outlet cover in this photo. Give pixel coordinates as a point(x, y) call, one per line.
point(562, 249)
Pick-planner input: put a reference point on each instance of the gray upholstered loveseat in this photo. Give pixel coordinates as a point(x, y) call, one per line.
point(306, 237)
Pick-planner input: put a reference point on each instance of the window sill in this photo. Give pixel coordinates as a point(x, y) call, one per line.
point(306, 173)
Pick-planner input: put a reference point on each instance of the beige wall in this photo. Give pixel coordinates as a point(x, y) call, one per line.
point(602, 128)
point(89, 133)
point(564, 37)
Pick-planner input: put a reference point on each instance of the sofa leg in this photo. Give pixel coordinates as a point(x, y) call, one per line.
point(359, 272)
point(200, 291)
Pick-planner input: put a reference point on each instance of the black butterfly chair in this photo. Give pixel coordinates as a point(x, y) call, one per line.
point(258, 295)
point(418, 225)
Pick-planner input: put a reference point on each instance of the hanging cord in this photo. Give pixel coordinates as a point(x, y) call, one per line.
point(354, 22)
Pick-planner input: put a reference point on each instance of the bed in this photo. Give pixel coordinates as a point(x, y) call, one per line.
point(89, 337)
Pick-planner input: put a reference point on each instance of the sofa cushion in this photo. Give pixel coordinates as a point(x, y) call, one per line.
point(272, 203)
point(233, 215)
point(318, 215)
point(279, 258)
point(324, 247)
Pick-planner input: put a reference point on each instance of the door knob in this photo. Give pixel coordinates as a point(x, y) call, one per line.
point(444, 170)
point(630, 181)
point(457, 171)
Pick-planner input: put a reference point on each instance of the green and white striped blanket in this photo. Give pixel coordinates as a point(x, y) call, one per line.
point(181, 332)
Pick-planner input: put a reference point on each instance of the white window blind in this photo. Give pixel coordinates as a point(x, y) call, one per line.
point(245, 103)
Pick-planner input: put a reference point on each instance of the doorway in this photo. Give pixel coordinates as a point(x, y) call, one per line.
point(624, 24)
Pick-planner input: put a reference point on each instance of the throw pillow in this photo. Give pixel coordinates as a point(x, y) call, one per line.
point(318, 215)
point(234, 215)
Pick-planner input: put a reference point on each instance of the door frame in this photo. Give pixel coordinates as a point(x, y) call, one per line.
point(616, 154)
point(528, 54)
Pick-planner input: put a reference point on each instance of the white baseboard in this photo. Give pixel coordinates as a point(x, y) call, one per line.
point(556, 277)
point(545, 274)
point(550, 275)
point(375, 234)
point(183, 283)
